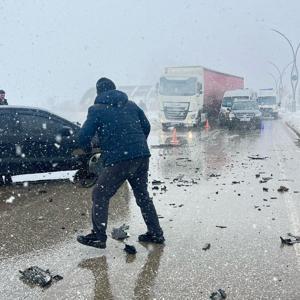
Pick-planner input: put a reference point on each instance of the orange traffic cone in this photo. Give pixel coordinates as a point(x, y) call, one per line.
point(174, 140)
point(206, 126)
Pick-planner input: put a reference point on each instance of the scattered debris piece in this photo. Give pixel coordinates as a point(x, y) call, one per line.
point(273, 198)
point(221, 226)
point(294, 239)
point(180, 205)
point(219, 295)
point(37, 276)
point(163, 188)
point(257, 157)
point(265, 189)
point(155, 187)
point(236, 182)
point(257, 175)
point(283, 189)
point(42, 192)
point(120, 233)
point(130, 249)
point(206, 246)
point(214, 175)
point(157, 182)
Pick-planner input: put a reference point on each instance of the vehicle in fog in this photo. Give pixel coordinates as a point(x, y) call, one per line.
point(187, 95)
point(228, 99)
point(268, 103)
point(33, 140)
point(245, 113)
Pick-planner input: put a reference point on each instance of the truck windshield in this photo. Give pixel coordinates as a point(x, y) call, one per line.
point(271, 100)
point(245, 105)
point(182, 87)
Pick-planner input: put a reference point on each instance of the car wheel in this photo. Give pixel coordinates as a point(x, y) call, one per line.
point(84, 178)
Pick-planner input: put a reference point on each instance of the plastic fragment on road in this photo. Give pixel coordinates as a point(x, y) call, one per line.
point(218, 295)
point(282, 189)
point(120, 233)
point(214, 175)
point(130, 249)
point(10, 200)
point(221, 226)
point(257, 157)
point(206, 246)
point(157, 182)
point(294, 239)
point(37, 276)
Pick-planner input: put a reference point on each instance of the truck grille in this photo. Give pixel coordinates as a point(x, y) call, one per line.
point(244, 115)
point(176, 111)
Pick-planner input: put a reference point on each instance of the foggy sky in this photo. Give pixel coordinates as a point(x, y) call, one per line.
point(59, 48)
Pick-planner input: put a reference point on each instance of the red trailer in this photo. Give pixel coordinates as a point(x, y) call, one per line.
point(215, 85)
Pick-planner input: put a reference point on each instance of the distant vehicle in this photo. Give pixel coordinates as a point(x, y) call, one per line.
point(245, 113)
point(33, 140)
point(229, 98)
point(268, 103)
point(187, 95)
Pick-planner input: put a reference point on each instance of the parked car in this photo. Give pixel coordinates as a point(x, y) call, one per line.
point(245, 113)
point(33, 140)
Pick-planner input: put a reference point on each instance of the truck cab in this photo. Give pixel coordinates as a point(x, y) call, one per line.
point(228, 100)
point(268, 103)
point(180, 94)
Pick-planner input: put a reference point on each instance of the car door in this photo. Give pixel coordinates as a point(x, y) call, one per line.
point(48, 141)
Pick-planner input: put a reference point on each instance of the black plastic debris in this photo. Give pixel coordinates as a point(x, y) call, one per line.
point(258, 157)
point(130, 249)
point(265, 189)
point(37, 276)
point(157, 182)
point(221, 226)
point(206, 246)
point(155, 187)
point(218, 295)
point(214, 175)
point(282, 189)
point(236, 182)
point(257, 175)
point(120, 233)
point(294, 239)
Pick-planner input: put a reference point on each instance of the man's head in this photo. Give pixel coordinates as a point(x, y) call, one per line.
point(104, 85)
point(2, 95)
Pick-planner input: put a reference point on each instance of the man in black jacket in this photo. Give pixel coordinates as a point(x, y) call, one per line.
point(3, 101)
point(122, 129)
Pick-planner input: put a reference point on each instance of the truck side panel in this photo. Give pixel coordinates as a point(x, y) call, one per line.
point(215, 85)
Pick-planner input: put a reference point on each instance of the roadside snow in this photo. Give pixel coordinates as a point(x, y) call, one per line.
point(293, 120)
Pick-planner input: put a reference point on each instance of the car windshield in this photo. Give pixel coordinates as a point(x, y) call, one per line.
point(228, 101)
point(178, 87)
point(245, 105)
point(271, 100)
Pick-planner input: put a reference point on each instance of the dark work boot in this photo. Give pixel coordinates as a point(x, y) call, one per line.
point(151, 238)
point(91, 240)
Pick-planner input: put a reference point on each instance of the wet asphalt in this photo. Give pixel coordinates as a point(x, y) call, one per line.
point(208, 181)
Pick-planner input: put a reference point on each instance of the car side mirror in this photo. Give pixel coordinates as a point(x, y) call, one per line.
point(66, 131)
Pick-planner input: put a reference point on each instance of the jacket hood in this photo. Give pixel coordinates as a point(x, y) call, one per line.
point(113, 98)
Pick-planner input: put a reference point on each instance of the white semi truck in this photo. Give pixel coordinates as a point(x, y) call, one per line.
point(188, 94)
point(268, 102)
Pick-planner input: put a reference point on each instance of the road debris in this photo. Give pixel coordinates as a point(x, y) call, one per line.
point(130, 249)
point(214, 175)
point(283, 189)
point(219, 295)
point(236, 182)
point(206, 246)
point(120, 233)
point(221, 226)
point(157, 182)
point(265, 189)
point(290, 241)
point(257, 157)
point(37, 276)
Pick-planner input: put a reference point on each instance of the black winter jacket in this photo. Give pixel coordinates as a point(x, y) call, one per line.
point(121, 126)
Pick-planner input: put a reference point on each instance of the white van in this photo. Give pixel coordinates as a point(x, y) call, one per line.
point(268, 103)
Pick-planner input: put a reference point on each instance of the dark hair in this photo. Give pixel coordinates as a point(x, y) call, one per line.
point(104, 85)
point(2, 92)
